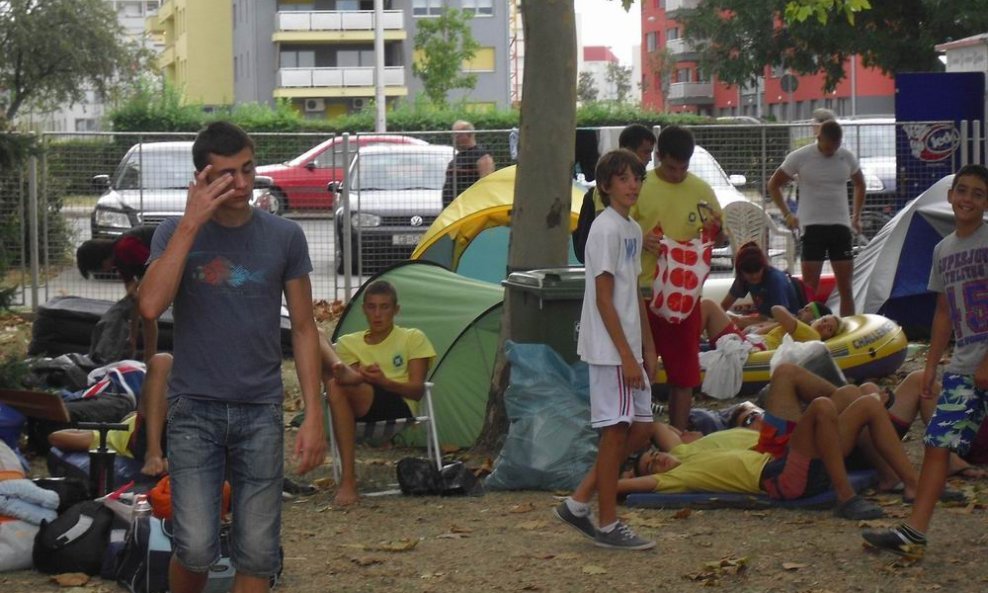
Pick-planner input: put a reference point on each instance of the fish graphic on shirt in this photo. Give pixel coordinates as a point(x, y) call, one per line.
point(220, 271)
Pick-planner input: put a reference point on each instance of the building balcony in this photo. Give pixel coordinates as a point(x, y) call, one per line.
point(691, 93)
point(681, 49)
point(674, 6)
point(340, 82)
point(336, 25)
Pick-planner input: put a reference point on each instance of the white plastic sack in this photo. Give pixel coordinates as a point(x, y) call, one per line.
point(812, 356)
point(724, 366)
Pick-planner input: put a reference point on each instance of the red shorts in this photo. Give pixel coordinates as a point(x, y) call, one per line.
point(679, 346)
point(794, 476)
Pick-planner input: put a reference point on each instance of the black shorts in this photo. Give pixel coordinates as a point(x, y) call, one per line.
point(823, 240)
point(386, 406)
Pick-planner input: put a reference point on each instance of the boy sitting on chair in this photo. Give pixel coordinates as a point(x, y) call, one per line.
point(391, 363)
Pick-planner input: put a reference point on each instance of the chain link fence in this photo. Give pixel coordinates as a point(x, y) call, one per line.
point(365, 200)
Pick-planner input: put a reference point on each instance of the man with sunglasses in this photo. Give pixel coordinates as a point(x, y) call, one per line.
point(675, 203)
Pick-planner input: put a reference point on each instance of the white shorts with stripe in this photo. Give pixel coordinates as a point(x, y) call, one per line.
point(612, 402)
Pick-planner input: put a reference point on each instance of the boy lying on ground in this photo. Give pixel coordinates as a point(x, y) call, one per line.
point(785, 464)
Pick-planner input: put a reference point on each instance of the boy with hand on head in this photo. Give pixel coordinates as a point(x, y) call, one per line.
point(226, 267)
point(380, 376)
point(960, 278)
point(616, 343)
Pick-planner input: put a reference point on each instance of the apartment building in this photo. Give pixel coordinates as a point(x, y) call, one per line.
point(319, 55)
point(672, 81)
point(197, 58)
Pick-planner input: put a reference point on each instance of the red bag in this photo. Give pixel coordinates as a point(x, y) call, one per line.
point(680, 271)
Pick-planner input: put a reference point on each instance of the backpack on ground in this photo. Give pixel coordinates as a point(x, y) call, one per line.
point(75, 540)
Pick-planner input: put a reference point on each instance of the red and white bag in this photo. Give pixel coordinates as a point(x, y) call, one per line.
point(680, 271)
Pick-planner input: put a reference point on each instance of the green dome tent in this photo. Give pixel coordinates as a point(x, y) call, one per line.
point(462, 318)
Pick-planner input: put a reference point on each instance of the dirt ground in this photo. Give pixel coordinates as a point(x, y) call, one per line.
point(509, 541)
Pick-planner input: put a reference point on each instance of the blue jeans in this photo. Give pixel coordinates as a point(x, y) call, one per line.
point(206, 441)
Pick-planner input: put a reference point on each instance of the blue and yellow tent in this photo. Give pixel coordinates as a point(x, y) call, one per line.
point(470, 237)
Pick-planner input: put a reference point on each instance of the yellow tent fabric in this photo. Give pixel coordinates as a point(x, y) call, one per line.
point(483, 205)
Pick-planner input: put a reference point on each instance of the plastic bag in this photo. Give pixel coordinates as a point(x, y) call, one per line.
point(680, 270)
point(812, 356)
point(550, 445)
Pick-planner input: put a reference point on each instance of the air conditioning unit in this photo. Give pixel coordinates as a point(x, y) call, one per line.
point(315, 105)
point(359, 103)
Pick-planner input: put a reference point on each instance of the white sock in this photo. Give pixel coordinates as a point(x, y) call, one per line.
point(580, 509)
point(608, 528)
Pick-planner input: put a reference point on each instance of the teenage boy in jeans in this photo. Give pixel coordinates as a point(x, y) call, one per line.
point(614, 335)
point(959, 276)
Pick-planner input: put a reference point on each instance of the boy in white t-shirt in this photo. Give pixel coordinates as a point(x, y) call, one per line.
point(614, 335)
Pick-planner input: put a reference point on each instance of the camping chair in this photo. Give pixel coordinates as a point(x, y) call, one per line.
point(746, 221)
point(387, 429)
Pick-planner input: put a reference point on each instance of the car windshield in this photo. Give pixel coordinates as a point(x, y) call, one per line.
point(706, 168)
point(157, 169)
point(870, 140)
point(400, 171)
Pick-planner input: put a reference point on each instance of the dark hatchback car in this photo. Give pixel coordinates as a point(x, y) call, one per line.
point(395, 194)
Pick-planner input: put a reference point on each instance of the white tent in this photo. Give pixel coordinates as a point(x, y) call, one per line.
point(892, 271)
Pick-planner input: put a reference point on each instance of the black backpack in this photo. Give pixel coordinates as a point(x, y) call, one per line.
point(588, 212)
point(75, 540)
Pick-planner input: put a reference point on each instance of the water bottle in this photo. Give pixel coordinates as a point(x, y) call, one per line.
point(142, 508)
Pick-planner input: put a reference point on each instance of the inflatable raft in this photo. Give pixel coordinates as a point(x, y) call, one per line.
point(868, 346)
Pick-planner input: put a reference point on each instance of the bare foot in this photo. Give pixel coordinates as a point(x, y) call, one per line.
point(346, 496)
point(972, 472)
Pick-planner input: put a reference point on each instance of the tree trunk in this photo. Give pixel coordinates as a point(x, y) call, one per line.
point(541, 215)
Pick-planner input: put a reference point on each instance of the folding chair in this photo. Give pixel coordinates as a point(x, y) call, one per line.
point(387, 429)
point(747, 221)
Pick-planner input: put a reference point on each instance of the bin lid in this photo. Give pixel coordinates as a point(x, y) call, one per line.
point(550, 283)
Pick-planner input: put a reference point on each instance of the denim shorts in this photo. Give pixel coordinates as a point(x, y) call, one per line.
point(208, 440)
point(958, 415)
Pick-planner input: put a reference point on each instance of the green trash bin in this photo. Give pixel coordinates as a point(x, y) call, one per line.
point(547, 304)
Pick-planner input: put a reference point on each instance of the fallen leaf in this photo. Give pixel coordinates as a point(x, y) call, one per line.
point(531, 525)
point(566, 556)
point(458, 529)
point(524, 507)
point(593, 569)
point(367, 561)
point(451, 535)
point(447, 448)
point(324, 483)
point(793, 565)
point(400, 545)
point(683, 513)
point(70, 579)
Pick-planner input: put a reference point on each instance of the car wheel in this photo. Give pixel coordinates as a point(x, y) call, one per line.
point(355, 264)
point(278, 202)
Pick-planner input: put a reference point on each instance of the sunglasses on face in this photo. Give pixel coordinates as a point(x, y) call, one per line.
point(750, 419)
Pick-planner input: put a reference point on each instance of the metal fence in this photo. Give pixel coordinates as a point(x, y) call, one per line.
point(361, 213)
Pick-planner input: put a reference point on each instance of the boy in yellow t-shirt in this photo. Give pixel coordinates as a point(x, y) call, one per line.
point(382, 376)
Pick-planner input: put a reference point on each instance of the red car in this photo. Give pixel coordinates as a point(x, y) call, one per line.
point(301, 182)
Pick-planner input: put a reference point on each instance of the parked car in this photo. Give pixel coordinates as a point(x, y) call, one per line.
point(301, 182)
point(395, 195)
point(872, 140)
point(151, 183)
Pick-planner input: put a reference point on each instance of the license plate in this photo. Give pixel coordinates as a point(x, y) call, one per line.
point(405, 239)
